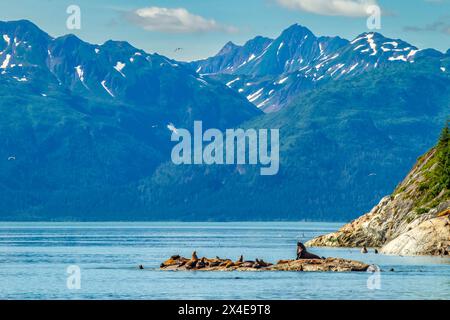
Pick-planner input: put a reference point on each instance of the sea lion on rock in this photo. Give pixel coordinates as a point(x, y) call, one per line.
point(303, 254)
point(284, 261)
point(241, 259)
point(224, 262)
point(170, 262)
point(211, 263)
point(200, 264)
point(262, 263)
point(193, 262)
point(247, 264)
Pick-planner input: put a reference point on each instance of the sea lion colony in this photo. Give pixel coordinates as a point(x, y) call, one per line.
point(305, 262)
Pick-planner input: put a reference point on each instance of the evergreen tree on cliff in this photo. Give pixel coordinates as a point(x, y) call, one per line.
point(443, 155)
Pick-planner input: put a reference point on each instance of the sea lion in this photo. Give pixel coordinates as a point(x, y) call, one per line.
point(375, 251)
point(241, 259)
point(211, 263)
point(193, 262)
point(302, 253)
point(141, 267)
point(259, 264)
point(214, 263)
point(200, 264)
point(170, 262)
point(247, 264)
point(364, 250)
point(284, 261)
point(262, 263)
point(224, 263)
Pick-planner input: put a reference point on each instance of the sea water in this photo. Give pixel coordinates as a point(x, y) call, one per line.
point(35, 260)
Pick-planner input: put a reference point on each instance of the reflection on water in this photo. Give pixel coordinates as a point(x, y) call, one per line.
point(34, 258)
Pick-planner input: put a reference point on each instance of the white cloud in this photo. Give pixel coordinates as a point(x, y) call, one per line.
point(350, 8)
point(177, 20)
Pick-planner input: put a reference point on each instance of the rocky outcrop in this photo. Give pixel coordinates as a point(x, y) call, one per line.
point(414, 220)
point(430, 237)
point(177, 263)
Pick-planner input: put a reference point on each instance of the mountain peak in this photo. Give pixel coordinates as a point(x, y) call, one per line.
point(118, 44)
point(22, 27)
point(19, 23)
point(227, 48)
point(296, 29)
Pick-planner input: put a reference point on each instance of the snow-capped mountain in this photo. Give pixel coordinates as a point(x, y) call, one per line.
point(114, 71)
point(86, 122)
point(297, 60)
point(232, 56)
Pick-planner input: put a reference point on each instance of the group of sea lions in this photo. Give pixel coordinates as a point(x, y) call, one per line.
point(196, 263)
point(305, 261)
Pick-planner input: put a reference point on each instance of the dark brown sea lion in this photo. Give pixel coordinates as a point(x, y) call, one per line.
point(247, 264)
point(302, 253)
point(141, 267)
point(262, 263)
point(211, 263)
point(364, 250)
point(200, 264)
point(214, 263)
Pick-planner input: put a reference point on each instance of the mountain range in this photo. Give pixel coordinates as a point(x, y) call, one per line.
point(86, 128)
point(272, 72)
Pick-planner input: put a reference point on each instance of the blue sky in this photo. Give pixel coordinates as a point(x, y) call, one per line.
point(202, 27)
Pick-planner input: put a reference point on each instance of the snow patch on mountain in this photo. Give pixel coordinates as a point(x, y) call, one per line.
point(119, 67)
point(7, 39)
point(255, 95)
point(6, 62)
point(80, 73)
point(282, 80)
point(107, 89)
point(232, 81)
point(280, 47)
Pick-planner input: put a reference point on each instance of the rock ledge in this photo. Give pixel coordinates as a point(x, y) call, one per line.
point(177, 263)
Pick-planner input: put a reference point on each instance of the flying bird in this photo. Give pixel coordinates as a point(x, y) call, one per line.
point(172, 128)
point(178, 49)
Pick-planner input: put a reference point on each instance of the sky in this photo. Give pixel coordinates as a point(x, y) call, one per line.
point(196, 29)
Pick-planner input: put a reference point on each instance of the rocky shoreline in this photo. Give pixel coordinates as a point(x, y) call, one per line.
point(414, 220)
point(178, 263)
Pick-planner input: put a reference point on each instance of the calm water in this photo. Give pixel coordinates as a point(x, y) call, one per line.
point(34, 258)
